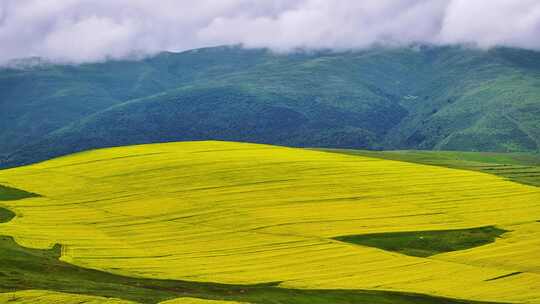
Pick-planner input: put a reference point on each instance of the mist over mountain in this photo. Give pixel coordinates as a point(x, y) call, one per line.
point(83, 31)
point(422, 97)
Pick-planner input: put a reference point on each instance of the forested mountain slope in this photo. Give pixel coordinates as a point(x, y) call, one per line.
point(442, 98)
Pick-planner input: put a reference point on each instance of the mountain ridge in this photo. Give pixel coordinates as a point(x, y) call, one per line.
point(440, 98)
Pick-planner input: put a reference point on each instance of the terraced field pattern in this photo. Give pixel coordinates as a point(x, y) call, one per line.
point(223, 222)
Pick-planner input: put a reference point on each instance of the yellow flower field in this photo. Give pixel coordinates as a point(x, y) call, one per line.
point(49, 297)
point(247, 213)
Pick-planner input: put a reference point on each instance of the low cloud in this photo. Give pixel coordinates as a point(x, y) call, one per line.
point(96, 30)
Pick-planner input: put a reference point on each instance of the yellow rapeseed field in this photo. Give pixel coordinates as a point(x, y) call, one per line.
point(246, 213)
point(50, 297)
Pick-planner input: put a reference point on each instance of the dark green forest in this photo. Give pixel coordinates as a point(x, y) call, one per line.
point(422, 97)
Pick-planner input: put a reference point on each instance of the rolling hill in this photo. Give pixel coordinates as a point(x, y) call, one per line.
point(518, 167)
point(237, 222)
point(441, 98)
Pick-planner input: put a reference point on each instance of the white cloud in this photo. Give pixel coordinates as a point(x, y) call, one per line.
point(94, 30)
point(489, 23)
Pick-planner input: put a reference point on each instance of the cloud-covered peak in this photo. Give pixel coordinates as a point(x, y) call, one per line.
point(96, 30)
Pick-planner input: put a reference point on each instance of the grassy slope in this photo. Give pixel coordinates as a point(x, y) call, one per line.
point(429, 98)
point(519, 167)
point(473, 103)
point(244, 213)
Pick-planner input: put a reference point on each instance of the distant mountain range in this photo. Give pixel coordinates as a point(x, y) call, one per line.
point(441, 98)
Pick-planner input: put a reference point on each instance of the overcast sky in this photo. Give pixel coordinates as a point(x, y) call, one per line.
point(95, 30)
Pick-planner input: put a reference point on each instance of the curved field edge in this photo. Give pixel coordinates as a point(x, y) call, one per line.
point(23, 268)
point(335, 195)
point(522, 168)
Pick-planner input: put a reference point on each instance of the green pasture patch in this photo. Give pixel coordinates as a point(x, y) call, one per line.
point(427, 243)
point(13, 194)
point(6, 215)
